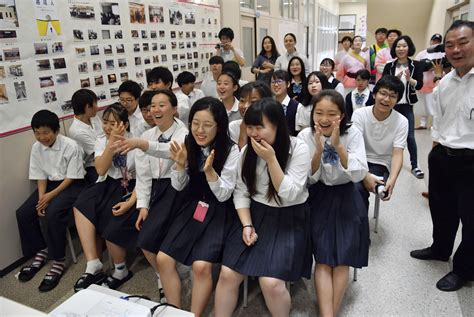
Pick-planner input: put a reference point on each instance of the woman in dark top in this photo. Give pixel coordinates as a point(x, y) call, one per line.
point(265, 62)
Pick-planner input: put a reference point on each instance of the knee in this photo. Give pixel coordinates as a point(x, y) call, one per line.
point(164, 262)
point(273, 287)
point(202, 269)
point(23, 214)
point(229, 277)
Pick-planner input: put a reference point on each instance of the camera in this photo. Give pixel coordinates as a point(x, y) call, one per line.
point(428, 63)
point(218, 46)
point(436, 49)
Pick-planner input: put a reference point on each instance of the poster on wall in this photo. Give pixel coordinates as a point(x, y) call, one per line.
point(51, 48)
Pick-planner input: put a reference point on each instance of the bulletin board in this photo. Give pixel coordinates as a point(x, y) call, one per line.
point(51, 48)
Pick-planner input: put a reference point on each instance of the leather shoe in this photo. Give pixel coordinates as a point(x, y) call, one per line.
point(427, 254)
point(450, 282)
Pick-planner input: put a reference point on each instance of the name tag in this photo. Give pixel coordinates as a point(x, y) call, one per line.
point(201, 211)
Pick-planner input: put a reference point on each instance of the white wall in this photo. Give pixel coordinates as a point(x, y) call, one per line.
point(359, 9)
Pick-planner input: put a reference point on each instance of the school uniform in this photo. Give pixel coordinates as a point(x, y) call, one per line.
point(234, 130)
point(296, 91)
point(184, 106)
point(336, 85)
point(60, 161)
point(85, 135)
point(189, 239)
point(138, 125)
point(356, 100)
point(97, 200)
point(153, 187)
point(339, 221)
point(193, 96)
point(283, 248)
point(234, 114)
point(303, 117)
point(290, 107)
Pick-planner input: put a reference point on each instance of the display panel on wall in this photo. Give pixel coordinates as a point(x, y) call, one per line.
point(51, 48)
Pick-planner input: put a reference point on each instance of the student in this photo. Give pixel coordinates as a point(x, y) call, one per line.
point(361, 96)
point(272, 239)
point(315, 83)
point(144, 103)
point(227, 86)
point(280, 84)
point(265, 62)
point(283, 60)
point(56, 163)
point(86, 128)
point(354, 60)
point(339, 222)
point(385, 133)
point(380, 37)
point(298, 79)
point(383, 56)
point(327, 67)
point(226, 49)
point(108, 207)
point(162, 78)
point(234, 68)
point(186, 82)
point(209, 84)
point(129, 92)
point(346, 43)
point(249, 93)
point(196, 236)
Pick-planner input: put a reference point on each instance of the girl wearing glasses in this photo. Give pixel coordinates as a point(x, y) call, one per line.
point(108, 206)
point(272, 239)
point(205, 171)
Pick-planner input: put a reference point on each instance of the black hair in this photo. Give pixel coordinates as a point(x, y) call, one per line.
point(82, 98)
point(159, 73)
point(275, 53)
point(235, 81)
point(232, 67)
point(411, 46)
point(346, 38)
point(145, 99)
point(398, 32)
point(132, 87)
point(363, 74)
point(216, 60)
point(392, 83)
point(357, 36)
point(171, 96)
point(120, 113)
point(260, 86)
point(222, 142)
point(458, 24)
point(329, 61)
point(282, 74)
point(324, 85)
point(381, 30)
point(273, 111)
point(337, 99)
point(185, 78)
point(45, 119)
point(227, 32)
point(290, 34)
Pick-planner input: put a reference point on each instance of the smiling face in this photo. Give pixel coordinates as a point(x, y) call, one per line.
point(108, 123)
point(289, 43)
point(45, 135)
point(391, 37)
point(295, 67)
point(162, 111)
point(314, 85)
point(401, 49)
point(325, 116)
point(459, 49)
point(225, 87)
point(246, 101)
point(326, 69)
point(266, 131)
point(158, 85)
point(279, 87)
point(267, 45)
point(385, 100)
point(204, 127)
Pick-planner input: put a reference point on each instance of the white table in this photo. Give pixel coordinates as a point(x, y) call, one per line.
point(9, 308)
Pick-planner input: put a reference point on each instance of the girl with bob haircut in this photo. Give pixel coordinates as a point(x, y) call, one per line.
point(339, 222)
point(270, 198)
point(205, 171)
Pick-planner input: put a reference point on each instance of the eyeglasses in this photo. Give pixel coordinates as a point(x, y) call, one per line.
point(206, 126)
point(277, 82)
point(145, 109)
point(385, 94)
point(126, 100)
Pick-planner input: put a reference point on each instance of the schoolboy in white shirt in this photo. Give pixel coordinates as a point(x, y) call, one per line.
point(129, 92)
point(56, 163)
point(186, 81)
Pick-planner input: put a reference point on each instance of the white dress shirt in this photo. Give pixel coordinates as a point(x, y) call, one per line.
point(353, 142)
point(339, 88)
point(183, 107)
point(234, 130)
point(229, 55)
point(293, 190)
point(85, 135)
point(453, 118)
point(225, 184)
point(380, 137)
point(138, 125)
point(303, 117)
point(284, 59)
point(365, 92)
point(113, 171)
point(64, 159)
point(209, 86)
point(234, 113)
point(151, 167)
point(162, 150)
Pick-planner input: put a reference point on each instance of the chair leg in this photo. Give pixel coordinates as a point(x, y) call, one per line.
point(71, 246)
point(355, 275)
point(376, 212)
point(246, 292)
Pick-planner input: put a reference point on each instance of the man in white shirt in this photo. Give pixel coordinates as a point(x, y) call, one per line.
point(209, 84)
point(450, 162)
point(186, 82)
point(129, 92)
point(226, 49)
point(86, 127)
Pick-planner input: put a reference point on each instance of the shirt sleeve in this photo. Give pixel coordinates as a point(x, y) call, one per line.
point(308, 138)
point(400, 140)
point(241, 194)
point(300, 118)
point(225, 184)
point(36, 172)
point(296, 174)
point(162, 150)
point(144, 179)
point(357, 158)
point(179, 179)
point(357, 120)
point(278, 63)
point(75, 164)
point(437, 114)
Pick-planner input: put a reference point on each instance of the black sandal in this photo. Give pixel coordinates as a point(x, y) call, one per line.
point(52, 278)
point(29, 271)
point(88, 279)
point(114, 283)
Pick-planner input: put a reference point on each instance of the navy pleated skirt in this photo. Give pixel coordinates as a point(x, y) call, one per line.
point(164, 203)
point(190, 240)
point(283, 249)
point(96, 202)
point(339, 225)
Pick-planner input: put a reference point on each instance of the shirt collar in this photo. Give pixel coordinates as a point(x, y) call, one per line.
point(83, 124)
point(456, 76)
point(235, 107)
point(137, 113)
point(374, 120)
point(169, 132)
point(286, 101)
point(295, 53)
point(55, 147)
point(366, 91)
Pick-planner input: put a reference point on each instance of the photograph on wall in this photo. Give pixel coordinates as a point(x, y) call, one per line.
point(7, 34)
point(189, 17)
point(59, 63)
point(46, 81)
point(97, 66)
point(15, 70)
point(47, 17)
point(43, 64)
point(99, 80)
point(78, 11)
point(110, 14)
point(57, 47)
point(156, 14)
point(120, 48)
point(82, 67)
point(80, 51)
point(137, 12)
point(92, 35)
point(2, 72)
point(123, 77)
point(118, 35)
point(109, 64)
point(122, 62)
point(78, 35)
point(11, 54)
point(85, 83)
point(62, 79)
point(8, 17)
point(49, 96)
point(41, 48)
point(176, 17)
point(106, 34)
point(3, 94)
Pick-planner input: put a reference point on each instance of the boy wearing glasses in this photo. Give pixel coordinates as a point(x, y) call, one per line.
point(129, 92)
point(144, 102)
point(385, 133)
point(280, 83)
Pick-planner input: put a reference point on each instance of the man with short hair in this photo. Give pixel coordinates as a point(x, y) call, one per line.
point(450, 161)
point(380, 37)
point(209, 84)
point(226, 49)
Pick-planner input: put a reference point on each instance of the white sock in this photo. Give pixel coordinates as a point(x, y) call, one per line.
point(120, 271)
point(94, 266)
point(158, 280)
